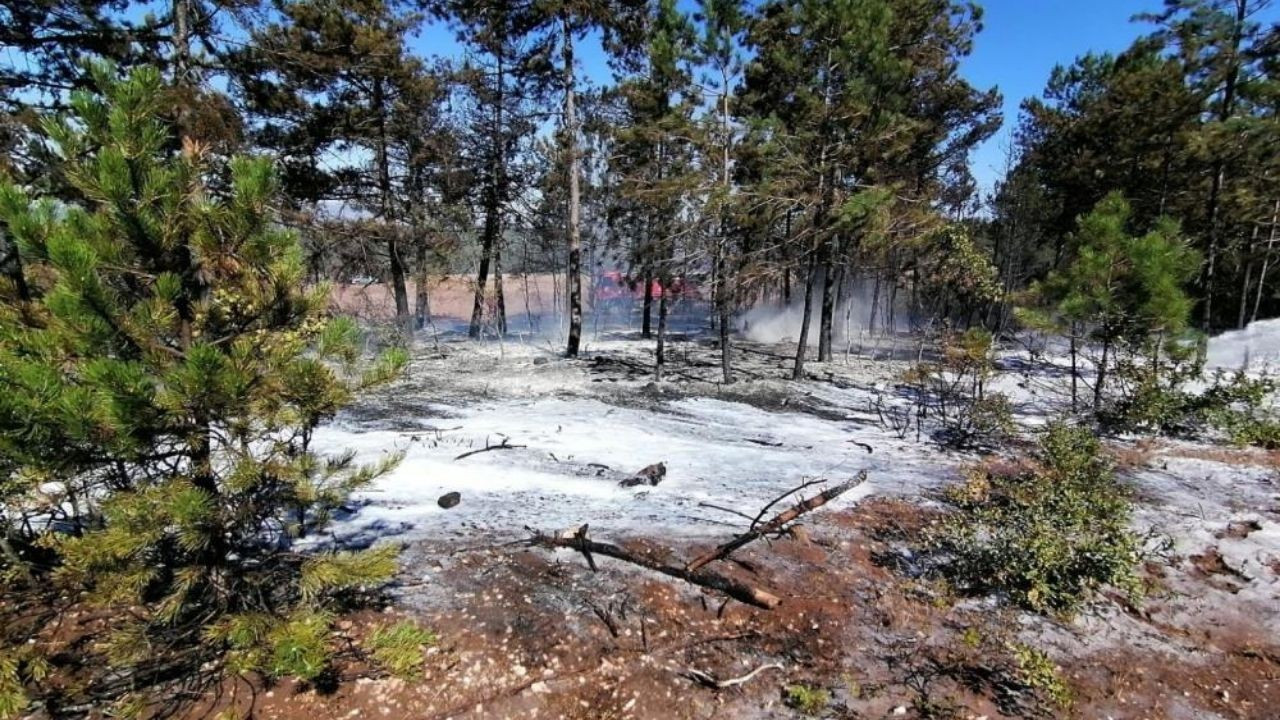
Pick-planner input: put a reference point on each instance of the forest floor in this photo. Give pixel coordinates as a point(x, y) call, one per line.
point(527, 632)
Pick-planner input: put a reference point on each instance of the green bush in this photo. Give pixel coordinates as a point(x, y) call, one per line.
point(398, 648)
point(952, 394)
point(1046, 533)
point(807, 699)
point(1168, 399)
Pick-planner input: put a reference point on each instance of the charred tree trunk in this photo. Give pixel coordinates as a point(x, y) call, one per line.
point(422, 299)
point(829, 288)
point(660, 356)
point(802, 344)
point(646, 323)
point(384, 196)
point(487, 240)
point(574, 279)
point(499, 293)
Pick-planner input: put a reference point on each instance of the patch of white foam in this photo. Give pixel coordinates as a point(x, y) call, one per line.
point(1256, 347)
point(724, 453)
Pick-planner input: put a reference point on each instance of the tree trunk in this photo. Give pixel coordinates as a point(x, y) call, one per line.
point(646, 324)
point(575, 201)
point(1248, 278)
point(660, 357)
point(384, 193)
point(182, 43)
point(487, 240)
point(828, 309)
point(499, 293)
point(422, 300)
point(723, 294)
point(1075, 372)
point(1226, 110)
point(810, 280)
point(1266, 258)
point(1101, 377)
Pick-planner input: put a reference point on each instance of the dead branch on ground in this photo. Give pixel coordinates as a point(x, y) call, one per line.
point(776, 524)
point(710, 681)
point(695, 572)
point(703, 578)
point(504, 445)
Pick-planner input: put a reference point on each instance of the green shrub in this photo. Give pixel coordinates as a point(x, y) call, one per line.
point(1036, 671)
point(808, 699)
point(398, 648)
point(952, 393)
point(1169, 399)
point(1046, 533)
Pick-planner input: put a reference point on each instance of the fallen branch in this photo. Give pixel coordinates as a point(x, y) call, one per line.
point(863, 445)
point(760, 515)
point(711, 682)
point(725, 509)
point(713, 581)
point(501, 446)
point(774, 525)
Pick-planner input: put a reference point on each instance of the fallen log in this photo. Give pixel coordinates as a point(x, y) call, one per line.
point(703, 578)
point(501, 446)
point(776, 524)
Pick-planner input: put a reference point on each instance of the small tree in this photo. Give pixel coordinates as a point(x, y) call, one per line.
point(163, 377)
point(1121, 289)
point(1047, 532)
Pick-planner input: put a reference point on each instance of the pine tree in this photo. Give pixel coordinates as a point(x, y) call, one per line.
point(329, 76)
point(563, 24)
point(723, 22)
point(857, 101)
point(505, 75)
point(1122, 290)
point(164, 373)
point(655, 155)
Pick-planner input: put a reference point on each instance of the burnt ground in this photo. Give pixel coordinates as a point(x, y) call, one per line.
point(860, 632)
point(526, 633)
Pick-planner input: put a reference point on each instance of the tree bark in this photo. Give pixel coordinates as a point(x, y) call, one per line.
point(1101, 377)
point(1248, 278)
point(1266, 258)
point(660, 357)
point(802, 345)
point(829, 288)
point(182, 43)
point(1226, 109)
point(494, 192)
point(384, 192)
point(574, 279)
point(487, 239)
point(499, 293)
point(723, 289)
point(422, 301)
point(646, 323)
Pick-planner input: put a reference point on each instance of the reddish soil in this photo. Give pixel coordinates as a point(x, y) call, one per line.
point(452, 297)
point(530, 634)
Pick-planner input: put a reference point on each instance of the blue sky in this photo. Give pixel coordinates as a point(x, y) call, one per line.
point(1023, 40)
point(1020, 44)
